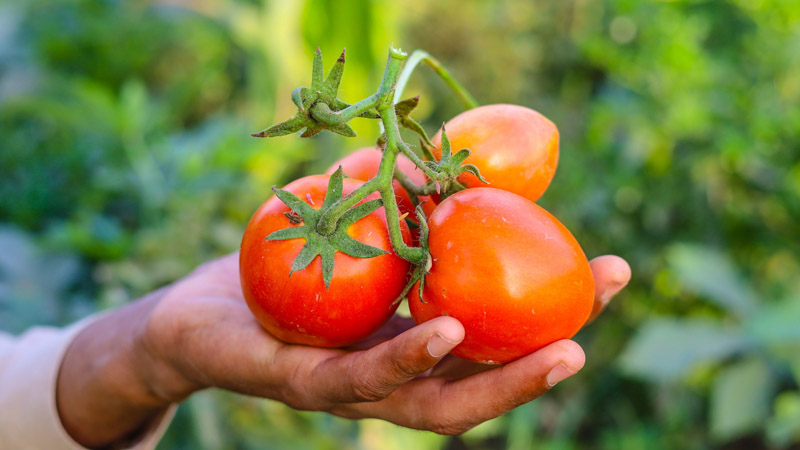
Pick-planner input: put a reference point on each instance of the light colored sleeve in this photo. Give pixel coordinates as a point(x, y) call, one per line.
point(29, 366)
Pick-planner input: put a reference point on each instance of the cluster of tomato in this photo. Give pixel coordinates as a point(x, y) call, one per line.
point(507, 269)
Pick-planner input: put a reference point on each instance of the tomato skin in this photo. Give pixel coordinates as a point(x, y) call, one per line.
point(508, 270)
point(515, 148)
point(298, 309)
point(363, 164)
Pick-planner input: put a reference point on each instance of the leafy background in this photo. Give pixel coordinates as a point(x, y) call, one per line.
point(125, 161)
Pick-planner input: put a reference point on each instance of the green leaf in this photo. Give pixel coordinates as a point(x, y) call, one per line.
point(460, 156)
point(415, 276)
point(405, 107)
point(712, 274)
point(413, 125)
point(357, 249)
point(297, 98)
point(335, 186)
point(359, 212)
point(335, 77)
point(327, 254)
point(316, 70)
point(473, 169)
point(446, 150)
point(291, 200)
point(310, 131)
point(421, 287)
point(740, 399)
point(290, 126)
point(287, 233)
point(304, 258)
point(665, 349)
point(344, 130)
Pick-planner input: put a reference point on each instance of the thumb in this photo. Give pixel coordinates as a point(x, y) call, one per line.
point(373, 374)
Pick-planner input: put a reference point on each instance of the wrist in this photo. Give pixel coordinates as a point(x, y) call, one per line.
point(103, 393)
point(164, 374)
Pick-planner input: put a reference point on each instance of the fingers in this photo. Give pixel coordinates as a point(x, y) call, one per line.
point(371, 375)
point(611, 274)
point(473, 400)
point(454, 406)
point(396, 325)
point(454, 367)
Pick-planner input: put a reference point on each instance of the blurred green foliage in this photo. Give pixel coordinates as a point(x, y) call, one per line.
point(125, 161)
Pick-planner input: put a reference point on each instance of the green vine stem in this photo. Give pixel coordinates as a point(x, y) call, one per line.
point(418, 56)
point(412, 187)
point(322, 112)
point(320, 109)
point(327, 223)
point(430, 173)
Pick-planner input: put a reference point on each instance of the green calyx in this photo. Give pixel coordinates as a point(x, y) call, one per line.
point(302, 225)
point(449, 167)
point(422, 270)
point(318, 107)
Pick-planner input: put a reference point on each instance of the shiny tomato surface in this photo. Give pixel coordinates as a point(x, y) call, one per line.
point(515, 148)
point(299, 309)
point(508, 270)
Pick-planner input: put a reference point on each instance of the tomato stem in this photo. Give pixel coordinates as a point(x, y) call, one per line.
point(321, 112)
point(418, 56)
point(413, 188)
point(320, 109)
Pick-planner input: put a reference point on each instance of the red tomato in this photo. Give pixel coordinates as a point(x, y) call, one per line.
point(298, 309)
point(515, 148)
point(508, 270)
point(363, 164)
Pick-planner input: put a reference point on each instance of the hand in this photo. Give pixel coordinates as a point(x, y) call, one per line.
point(199, 333)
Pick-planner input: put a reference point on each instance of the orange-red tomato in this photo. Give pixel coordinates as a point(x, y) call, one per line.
point(363, 164)
point(508, 270)
point(299, 309)
point(515, 148)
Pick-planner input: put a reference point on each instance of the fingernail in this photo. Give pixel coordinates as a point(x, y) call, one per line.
point(557, 374)
point(605, 298)
point(609, 293)
point(439, 346)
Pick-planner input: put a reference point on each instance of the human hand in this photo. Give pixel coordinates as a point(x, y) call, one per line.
point(199, 333)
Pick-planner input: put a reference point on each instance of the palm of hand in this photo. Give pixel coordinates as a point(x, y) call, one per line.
point(204, 334)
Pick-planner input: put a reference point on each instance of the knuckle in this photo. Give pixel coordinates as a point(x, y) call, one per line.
point(403, 368)
point(368, 391)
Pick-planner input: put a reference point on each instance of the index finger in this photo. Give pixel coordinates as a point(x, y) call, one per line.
point(611, 273)
point(371, 375)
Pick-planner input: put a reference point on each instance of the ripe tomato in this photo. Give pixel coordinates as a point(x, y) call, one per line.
point(363, 164)
point(515, 148)
point(508, 270)
point(298, 309)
